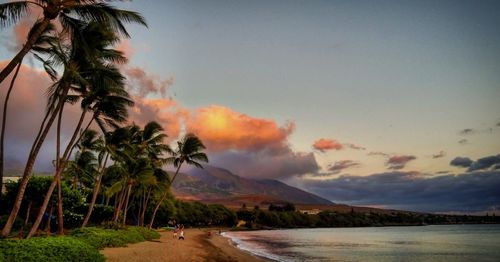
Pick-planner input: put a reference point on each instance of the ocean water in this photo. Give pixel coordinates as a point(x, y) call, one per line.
point(449, 243)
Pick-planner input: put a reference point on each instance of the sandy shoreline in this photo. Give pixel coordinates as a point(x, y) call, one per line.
point(198, 246)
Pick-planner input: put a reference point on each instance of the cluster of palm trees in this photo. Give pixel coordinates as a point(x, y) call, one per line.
point(74, 41)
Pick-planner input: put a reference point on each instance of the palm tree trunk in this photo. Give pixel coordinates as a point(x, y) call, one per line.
point(49, 219)
point(165, 194)
point(28, 213)
point(139, 210)
point(4, 121)
point(37, 144)
point(121, 201)
point(125, 209)
point(144, 208)
point(26, 48)
point(60, 219)
point(97, 187)
point(57, 176)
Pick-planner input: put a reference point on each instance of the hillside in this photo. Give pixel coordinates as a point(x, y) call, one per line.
point(217, 185)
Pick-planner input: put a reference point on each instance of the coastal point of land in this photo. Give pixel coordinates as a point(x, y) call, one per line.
point(198, 245)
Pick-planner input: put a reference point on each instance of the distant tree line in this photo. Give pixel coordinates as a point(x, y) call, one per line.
point(285, 216)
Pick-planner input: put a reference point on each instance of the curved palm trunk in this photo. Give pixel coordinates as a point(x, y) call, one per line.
point(57, 176)
point(37, 144)
point(97, 187)
point(125, 209)
point(4, 121)
point(165, 194)
point(26, 48)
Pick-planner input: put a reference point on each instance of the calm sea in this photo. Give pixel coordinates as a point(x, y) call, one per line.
point(449, 243)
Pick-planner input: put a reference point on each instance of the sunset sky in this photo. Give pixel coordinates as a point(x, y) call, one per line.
point(382, 103)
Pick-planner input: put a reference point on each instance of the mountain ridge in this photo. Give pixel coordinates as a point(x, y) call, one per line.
point(214, 183)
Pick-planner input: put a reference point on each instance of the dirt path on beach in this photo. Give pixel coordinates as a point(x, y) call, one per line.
point(197, 246)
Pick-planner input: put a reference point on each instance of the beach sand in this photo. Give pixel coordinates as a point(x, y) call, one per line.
point(197, 246)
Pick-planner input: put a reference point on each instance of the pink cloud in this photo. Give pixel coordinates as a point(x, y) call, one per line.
point(162, 110)
point(25, 112)
point(126, 47)
point(143, 84)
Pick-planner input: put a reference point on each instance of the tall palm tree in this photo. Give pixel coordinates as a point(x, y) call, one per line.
point(40, 44)
point(101, 79)
point(58, 55)
point(64, 11)
point(189, 151)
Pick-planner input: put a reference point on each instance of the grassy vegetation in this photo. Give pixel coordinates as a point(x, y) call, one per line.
point(101, 238)
point(48, 249)
point(82, 245)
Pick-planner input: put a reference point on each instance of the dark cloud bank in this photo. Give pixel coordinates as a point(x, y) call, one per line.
point(468, 192)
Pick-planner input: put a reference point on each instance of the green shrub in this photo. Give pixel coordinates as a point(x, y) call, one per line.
point(48, 249)
point(101, 238)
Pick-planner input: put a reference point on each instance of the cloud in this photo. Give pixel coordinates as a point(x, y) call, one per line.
point(399, 161)
point(353, 146)
point(461, 162)
point(142, 84)
point(25, 112)
point(484, 163)
point(249, 146)
point(463, 141)
point(325, 144)
point(266, 164)
point(468, 192)
point(162, 110)
point(126, 47)
point(439, 155)
point(378, 153)
point(222, 128)
point(339, 166)
point(467, 131)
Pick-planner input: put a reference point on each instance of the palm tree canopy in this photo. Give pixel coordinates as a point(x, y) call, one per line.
point(85, 10)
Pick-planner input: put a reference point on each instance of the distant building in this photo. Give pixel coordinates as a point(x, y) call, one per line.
point(313, 211)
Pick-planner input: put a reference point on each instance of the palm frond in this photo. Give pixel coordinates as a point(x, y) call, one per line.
point(12, 12)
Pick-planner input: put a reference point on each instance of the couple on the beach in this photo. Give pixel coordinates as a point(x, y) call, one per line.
point(179, 230)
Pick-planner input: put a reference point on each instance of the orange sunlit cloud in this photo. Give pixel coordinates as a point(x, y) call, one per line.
point(222, 129)
point(324, 144)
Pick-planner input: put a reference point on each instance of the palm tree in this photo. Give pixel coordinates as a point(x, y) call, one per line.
point(42, 41)
point(64, 11)
point(105, 148)
point(58, 56)
point(100, 80)
point(147, 147)
point(189, 151)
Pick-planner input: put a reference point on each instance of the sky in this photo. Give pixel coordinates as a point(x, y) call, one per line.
point(378, 103)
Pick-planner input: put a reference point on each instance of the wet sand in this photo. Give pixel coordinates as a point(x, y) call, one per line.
point(198, 246)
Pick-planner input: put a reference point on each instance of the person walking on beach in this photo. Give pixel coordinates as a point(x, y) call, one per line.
point(181, 235)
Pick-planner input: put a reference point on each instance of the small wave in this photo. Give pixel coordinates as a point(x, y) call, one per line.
point(247, 246)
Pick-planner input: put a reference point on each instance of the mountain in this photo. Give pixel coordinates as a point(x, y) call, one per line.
point(217, 185)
